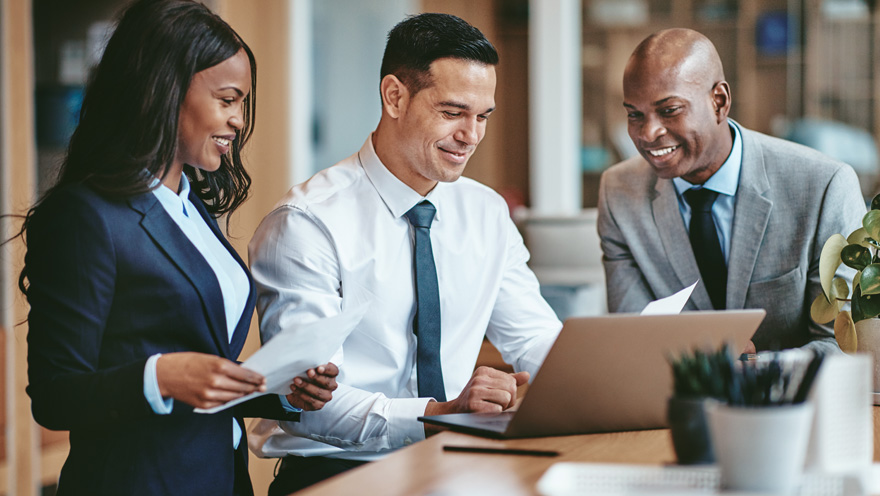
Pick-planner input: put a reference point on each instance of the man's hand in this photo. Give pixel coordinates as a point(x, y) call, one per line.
point(489, 390)
point(312, 393)
point(750, 348)
point(203, 380)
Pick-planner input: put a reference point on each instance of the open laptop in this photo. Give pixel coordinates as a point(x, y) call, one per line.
point(609, 373)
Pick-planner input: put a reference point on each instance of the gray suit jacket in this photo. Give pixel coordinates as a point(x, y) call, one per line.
point(789, 201)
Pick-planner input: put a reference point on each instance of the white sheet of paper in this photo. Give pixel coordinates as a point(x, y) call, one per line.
point(670, 305)
point(295, 350)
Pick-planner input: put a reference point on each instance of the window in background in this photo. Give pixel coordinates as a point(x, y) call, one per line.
point(349, 40)
point(69, 39)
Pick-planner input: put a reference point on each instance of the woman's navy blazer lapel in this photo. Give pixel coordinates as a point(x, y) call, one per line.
point(186, 257)
point(244, 322)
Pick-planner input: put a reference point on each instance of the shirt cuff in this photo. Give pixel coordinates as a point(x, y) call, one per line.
point(236, 434)
point(286, 404)
point(160, 405)
point(403, 426)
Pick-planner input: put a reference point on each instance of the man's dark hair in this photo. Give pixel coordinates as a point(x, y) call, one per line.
point(417, 41)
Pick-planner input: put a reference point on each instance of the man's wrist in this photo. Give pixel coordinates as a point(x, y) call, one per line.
point(287, 406)
point(433, 408)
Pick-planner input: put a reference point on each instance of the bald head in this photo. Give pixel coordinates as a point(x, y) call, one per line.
point(681, 53)
point(677, 104)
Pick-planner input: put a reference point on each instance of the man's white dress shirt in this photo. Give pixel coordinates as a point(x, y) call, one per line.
point(341, 239)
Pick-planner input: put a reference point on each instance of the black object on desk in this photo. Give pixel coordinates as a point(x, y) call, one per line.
point(500, 451)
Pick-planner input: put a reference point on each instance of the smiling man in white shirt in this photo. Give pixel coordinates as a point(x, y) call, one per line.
point(345, 238)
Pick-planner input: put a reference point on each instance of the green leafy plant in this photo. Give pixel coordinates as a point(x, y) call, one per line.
point(859, 251)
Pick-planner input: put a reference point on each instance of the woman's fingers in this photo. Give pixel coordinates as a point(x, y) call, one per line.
point(243, 378)
point(329, 370)
point(311, 389)
point(321, 381)
point(204, 380)
point(314, 391)
point(304, 401)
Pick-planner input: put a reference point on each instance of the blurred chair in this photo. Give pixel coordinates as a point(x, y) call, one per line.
point(843, 142)
point(567, 260)
point(837, 140)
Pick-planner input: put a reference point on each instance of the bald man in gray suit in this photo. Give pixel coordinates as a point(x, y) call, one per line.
point(768, 204)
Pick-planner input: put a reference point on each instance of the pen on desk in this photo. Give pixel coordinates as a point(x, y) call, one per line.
point(500, 451)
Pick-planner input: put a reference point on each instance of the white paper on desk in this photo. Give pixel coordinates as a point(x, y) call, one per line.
point(295, 350)
point(670, 305)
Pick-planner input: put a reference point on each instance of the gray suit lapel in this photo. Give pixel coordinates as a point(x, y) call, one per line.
point(676, 243)
point(750, 218)
point(186, 257)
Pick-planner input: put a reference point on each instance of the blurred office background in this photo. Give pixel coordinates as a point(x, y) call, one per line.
point(802, 69)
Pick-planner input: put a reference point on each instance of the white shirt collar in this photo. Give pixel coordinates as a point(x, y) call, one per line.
point(173, 201)
point(398, 197)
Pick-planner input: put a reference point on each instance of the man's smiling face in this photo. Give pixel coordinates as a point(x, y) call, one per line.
point(443, 123)
point(676, 117)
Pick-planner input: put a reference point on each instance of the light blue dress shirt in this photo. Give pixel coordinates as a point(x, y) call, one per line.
point(231, 277)
point(725, 181)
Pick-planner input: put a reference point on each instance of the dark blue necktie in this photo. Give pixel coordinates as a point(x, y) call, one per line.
point(427, 321)
point(707, 248)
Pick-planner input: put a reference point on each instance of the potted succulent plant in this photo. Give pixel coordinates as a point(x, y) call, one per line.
point(697, 377)
point(760, 433)
point(857, 329)
point(702, 379)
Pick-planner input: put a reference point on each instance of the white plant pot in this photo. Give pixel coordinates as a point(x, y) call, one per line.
point(868, 342)
point(760, 449)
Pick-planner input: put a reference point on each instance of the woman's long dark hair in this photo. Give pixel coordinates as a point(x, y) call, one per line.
point(129, 117)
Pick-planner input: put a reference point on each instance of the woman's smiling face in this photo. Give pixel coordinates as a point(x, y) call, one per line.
point(212, 113)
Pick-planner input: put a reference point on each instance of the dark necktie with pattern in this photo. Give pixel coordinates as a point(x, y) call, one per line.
point(707, 248)
point(427, 321)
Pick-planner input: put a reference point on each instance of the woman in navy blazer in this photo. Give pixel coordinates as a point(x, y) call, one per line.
point(139, 305)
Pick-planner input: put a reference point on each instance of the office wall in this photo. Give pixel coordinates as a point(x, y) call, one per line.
point(20, 472)
point(263, 25)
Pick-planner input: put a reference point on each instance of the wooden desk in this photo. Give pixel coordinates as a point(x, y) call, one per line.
point(424, 468)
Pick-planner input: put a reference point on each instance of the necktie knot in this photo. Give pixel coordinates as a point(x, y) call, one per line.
point(422, 214)
point(701, 199)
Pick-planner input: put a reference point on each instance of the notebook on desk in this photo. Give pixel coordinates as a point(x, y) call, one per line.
point(608, 373)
